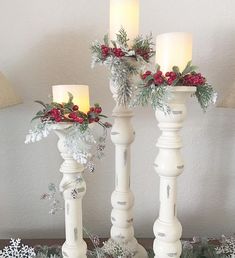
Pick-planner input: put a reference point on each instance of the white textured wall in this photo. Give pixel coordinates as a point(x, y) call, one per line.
point(47, 42)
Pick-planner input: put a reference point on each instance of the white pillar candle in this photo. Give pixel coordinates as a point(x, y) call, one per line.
point(124, 13)
point(173, 49)
point(80, 95)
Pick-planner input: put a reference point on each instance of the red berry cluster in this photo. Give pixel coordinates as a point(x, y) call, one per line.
point(158, 78)
point(118, 52)
point(143, 53)
point(171, 76)
point(76, 117)
point(105, 50)
point(93, 114)
point(194, 79)
point(55, 113)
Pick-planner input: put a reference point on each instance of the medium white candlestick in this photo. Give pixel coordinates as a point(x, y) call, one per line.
point(169, 165)
point(73, 187)
point(80, 95)
point(124, 13)
point(173, 49)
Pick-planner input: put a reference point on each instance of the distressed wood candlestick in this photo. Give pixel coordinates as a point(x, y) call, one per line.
point(169, 165)
point(122, 135)
point(73, 188)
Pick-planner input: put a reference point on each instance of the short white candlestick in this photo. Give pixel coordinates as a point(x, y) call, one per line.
point(169, 165)
point(73, 188)
point(122, 135)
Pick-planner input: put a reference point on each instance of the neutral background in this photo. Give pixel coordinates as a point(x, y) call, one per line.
point(47, 42)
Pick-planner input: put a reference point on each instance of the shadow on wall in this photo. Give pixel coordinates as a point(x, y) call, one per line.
point(210, 179)
point(222, 60)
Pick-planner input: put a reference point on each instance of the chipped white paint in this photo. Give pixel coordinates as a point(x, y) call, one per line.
point(73, 191)
point(169, 165)
point(122, 136)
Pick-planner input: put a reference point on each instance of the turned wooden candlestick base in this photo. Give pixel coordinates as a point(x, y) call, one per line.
point(73, 187)
point(122, 135)
point(169, 165)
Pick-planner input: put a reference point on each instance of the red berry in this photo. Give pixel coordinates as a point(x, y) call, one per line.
point(97, 119)
point(92, 109)
point(145, 75)
point(169, 81)
point(73, 115)
point(80, 120)
point(159, 73)
point(167, 74)
point(58, 119)
point(146, 56)
point(194, 79)
point(75, 108)
point(105, 50)
point(98, 110)
point(118, 52)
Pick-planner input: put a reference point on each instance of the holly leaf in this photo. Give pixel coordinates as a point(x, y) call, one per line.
point(148, 78)
point(103, 116)
point(106, 39)
point(157, 67)
point(114, 43)
point(70, 98)
point(41, 103)
point(35, 118)
point(194, 67)
point(189, 68)
point(40, 113)
point(48, 107)
point(176, 69)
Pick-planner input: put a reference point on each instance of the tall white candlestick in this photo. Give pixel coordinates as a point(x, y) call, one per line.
point(173, 49)
point(122, 136)
point(124, 13)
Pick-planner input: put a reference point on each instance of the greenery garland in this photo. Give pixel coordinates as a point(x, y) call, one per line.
point(155, 87)
point(198, 248)
point(123, 61)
